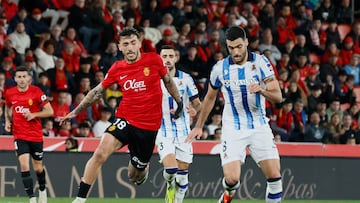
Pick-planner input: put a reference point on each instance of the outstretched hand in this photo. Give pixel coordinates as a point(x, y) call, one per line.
point(194, 133)
point(68, 117)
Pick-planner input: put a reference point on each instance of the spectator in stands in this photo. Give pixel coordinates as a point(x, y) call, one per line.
point(133, 10)
point(282, 121)
point(9, 51)
point(326, 10)
point(71, 37)
point(30, 67)
point(215, 25)
point(21, 16)
point(83, 115)
point(20, 39)
point(344, 12)
point(267, 18)
point(151, 32)
point(350, 132)
point(353, 68)
point(153, 13)
point(36, 24)
point(45, 54)
point(313, 98)
point(146, 44)
point(71, 59)
point(60, 79)
point(314, 132)
point(65, 130)
point(217, 134)
point(301, 63)
point(167, 24)
point(193, 65)
point(43, 84)
point(61, 108)
point(355, 114)
point(110, 55)
point(334, 107)
point(48, 128)
point(84, 130)
point(71, 145)
point(56, 36)
point(215, 123)
point(312, 77)
point(99, 76)
point(330, 67)
point(113, 91)
point(299, 120)
point(332, 33)
point(202, 45)
point(316, 37)
point(85, 70)
point(284, 34)
point(86, 23)
point(2, 122)
point(355, 35)
point(167, 39)
point(300, 47)
point(56, 11)
point(182, 45)
point(335, 129)
point(7, 68)
point(346, 51)
point(100, 125)
point(112, 103)
point(113, 29)
point(267, 43)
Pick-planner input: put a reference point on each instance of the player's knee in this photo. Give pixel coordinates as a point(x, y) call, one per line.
point(182, 179)
point(230, 186)
point(99, 156)
point(169, 173)
point(231, 179)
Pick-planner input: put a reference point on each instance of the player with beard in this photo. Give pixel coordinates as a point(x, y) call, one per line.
point(138, 116)
point(25, 104)
point(246, 79)
point(175, 154)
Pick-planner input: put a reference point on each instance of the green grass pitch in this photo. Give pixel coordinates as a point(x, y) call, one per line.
point(142, 200)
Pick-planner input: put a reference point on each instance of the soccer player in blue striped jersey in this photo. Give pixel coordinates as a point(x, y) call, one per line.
point(246, 79)
point(175, 154)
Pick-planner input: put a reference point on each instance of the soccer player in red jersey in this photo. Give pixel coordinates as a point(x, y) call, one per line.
point(25, 105)
point(138, 116)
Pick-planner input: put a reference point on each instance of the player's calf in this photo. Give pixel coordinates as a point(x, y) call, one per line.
point(274, 190)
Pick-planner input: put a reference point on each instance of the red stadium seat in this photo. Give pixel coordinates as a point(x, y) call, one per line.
point(343, 29)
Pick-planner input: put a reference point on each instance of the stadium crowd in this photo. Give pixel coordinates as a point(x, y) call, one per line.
point(69, 45)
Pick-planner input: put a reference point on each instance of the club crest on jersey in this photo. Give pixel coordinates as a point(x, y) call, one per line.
point(146, 71)
point(30, 102)
point(180, 83)
point(112, 128)
point(253, 67)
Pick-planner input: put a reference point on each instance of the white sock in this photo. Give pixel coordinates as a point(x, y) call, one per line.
point(274, 190)
point(182, 182)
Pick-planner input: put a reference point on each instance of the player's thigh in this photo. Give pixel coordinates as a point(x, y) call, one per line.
point(183, 151)
point(233, 146)
point(108, 145)
point(141, 147)
point(166, 149)
point(232, 171)
point(262, 146)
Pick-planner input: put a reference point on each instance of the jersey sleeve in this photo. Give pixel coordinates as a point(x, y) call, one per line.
point(266, 69)
point(191, 88)
point(110, 77)
point(215, 75)
point(43, 100)
point(162, 68)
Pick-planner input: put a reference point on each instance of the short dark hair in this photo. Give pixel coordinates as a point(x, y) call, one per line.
point(21, 69)
point(168, 47)
point(128, 31)
point(235, 32)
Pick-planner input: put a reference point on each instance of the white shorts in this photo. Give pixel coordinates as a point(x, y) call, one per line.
point(174, 145)
point(259, 141)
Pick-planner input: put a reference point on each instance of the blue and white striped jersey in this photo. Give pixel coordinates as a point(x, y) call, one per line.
point(242, 110)
point(188, 91)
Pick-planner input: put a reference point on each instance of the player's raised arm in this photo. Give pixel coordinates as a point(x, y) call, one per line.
point(91, 97)
point(174, 92)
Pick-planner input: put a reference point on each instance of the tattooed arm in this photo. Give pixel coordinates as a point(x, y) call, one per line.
point(89, 99)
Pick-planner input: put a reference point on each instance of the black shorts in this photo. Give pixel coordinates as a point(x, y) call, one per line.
point(35, 149)
point(140, 142)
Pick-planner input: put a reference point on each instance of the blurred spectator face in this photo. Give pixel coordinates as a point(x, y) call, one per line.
point(49, 49)
point(333, 60)
point(302, 60)
point(85, 83)
point(293, 87)
point(20, 27)
point(315, 118)
point(130, 22)
point(22, 13)
point(168, 19)
point(356, 28)
point(185, 28)
point(71, 33)
point(317, 24)
point(43, 80)
point(112, 103)
point(217, 135)
point(347, 120)
point(287, 107)
point(80, 3)
point(69, 48)
point(192, 52)
point(355, 60)
point(335, 105)
point(99, 76)
point(298, 107)
point(231, 19)
point(335, 119)
point(62, 98)
point(267, 36)
point(112, 48)
point(301, 40)
point(56, 31)
point(215, 36)
point(59, 63)
point(286, 11)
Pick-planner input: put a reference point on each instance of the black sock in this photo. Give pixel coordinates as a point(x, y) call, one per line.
point(28, 183)
point(83, 189)
point(41, 180)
